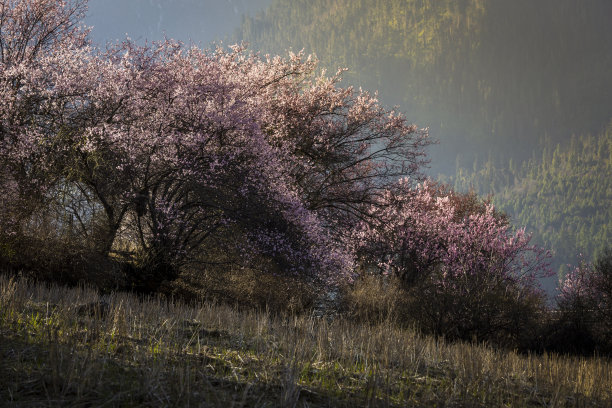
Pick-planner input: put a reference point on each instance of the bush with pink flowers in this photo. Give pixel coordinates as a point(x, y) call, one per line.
point(585, 308)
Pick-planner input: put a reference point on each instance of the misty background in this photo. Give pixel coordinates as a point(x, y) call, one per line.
point(201, 22)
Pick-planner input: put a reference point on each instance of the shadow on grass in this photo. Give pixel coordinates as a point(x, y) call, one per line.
point(46, 373)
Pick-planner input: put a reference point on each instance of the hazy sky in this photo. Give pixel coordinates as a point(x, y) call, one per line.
point(199, 21)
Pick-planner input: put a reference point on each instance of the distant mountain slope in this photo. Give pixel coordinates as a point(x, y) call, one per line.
point(484, 75)
point(564, 196)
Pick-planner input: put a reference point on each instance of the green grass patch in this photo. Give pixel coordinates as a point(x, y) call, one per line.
point(152, 352)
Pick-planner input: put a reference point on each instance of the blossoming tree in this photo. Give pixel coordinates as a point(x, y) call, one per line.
point(168, 147)
point(158, 154)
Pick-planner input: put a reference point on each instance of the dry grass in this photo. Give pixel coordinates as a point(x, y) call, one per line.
point(156, 353)
point(244, 287)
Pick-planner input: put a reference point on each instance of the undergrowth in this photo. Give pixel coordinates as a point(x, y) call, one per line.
point(130, 351)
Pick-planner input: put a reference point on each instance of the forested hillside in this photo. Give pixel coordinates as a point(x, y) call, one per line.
point(484, 76)
point(564, 196)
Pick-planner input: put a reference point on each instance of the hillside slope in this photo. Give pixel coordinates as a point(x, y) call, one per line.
point(158, 353)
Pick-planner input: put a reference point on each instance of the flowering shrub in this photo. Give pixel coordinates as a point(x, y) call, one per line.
point(585, 304)
point(420, 231)
point(470, 273)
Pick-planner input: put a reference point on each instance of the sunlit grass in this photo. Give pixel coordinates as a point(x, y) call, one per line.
point(153, 352)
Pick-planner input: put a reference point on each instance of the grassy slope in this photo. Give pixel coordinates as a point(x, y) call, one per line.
point(155, 353)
